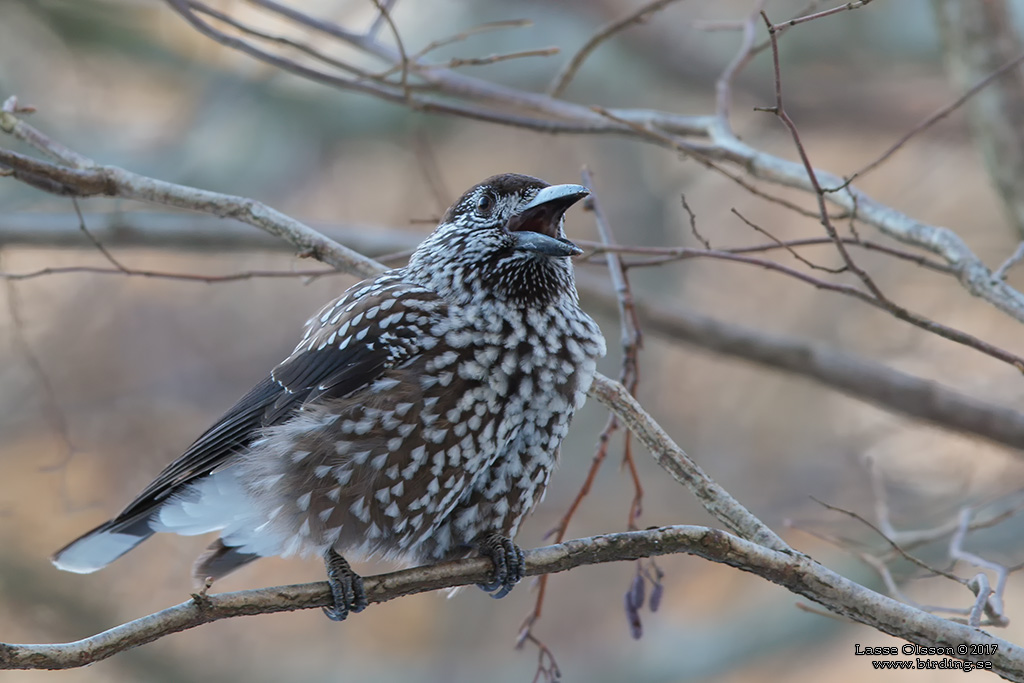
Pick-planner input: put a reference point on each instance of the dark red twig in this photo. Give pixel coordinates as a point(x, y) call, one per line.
point(632, 341)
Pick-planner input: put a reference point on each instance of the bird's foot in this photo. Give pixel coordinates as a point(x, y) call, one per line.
point(509, 564)
point(346, 587)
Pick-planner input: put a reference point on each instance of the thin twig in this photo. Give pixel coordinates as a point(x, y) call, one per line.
point(456, 62)
point(1015, 258)
point(892, 544)
point(942, 113)
point(463, 35)
point(667, 254)
point(693, 223)
point(631, 336)
point(95, 242)
point(846, 6)
point(51, 406)
point(565, 75)
point(780, 243)
point(382, 7)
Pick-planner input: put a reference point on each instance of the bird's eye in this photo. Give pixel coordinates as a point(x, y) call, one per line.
point(484, 205)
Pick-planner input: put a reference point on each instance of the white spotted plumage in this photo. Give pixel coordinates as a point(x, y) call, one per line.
point(420, 412)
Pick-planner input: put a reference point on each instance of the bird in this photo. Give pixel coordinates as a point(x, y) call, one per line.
point(418, 419)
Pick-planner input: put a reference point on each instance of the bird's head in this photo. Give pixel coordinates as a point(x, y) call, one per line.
point(503, 238)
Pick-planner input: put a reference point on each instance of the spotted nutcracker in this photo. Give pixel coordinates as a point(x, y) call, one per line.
point(419, 418)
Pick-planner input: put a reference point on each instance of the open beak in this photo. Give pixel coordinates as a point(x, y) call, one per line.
point(535, 228)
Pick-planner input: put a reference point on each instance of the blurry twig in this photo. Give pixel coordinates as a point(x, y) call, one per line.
point(385, 14)
point(384, 7)
point(723, 87)
point(92, 238)
point(1015, 258)
point(693, 224)
point(565, 76)
point(51, 406)
point(980, 40)
point(547, 665)
point(91, 179)
point(662, 255)
point(631, 338)
point(892, 544)
point(463, 35)
point(280, 40)
point(456, 62)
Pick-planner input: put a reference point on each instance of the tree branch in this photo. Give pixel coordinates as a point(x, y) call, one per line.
point(797, 573)
point(707, 138)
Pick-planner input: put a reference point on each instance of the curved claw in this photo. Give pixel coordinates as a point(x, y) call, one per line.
point(509, 564)
point(346, 587)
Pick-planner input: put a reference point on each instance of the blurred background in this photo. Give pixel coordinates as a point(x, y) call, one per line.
point(104, 379)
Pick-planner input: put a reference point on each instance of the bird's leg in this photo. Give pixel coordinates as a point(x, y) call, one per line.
point(509, 563)
point(346, 587)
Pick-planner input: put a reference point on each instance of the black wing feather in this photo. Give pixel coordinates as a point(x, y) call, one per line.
point(304, 377)
point(326, 373)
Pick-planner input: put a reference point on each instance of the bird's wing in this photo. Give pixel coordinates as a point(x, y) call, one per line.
point(374, 326)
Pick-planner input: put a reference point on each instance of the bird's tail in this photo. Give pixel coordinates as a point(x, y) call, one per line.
point(101, 546)
point(213, 503)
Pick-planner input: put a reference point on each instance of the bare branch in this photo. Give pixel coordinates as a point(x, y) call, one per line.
point(795, 572)
point(381, 18)
point(662, 128)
